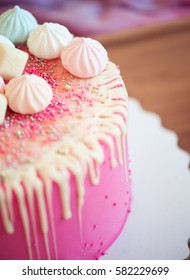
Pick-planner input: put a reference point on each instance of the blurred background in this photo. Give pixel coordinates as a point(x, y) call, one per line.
point(87, 17)
point(148, 39)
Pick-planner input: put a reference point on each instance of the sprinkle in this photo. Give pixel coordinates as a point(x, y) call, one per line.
point(94, 90)
point(94, 226)
point(67, 87)
point(81, 115)
point(19, 133)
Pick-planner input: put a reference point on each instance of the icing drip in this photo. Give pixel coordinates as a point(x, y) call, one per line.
point(30, 199)
point(48, 191)
point(4, 212)
point(93, 112)
point(124, 141)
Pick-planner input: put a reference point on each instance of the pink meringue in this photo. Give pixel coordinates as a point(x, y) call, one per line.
point(84, 57)
point(28, 94)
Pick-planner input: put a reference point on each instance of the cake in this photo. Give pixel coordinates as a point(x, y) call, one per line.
point(65, 189)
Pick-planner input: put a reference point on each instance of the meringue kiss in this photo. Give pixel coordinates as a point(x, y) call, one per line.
point(16, 24)
point(28, 94)
point(84, 57)
point(48, 39)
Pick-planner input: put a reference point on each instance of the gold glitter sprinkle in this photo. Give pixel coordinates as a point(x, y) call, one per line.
point(19, 133)
point(94, 90)
point(81, 115)
point(63, 151)
point(67, 87)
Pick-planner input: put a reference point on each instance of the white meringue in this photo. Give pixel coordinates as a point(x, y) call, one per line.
point(84, 57)
point(5, 40)
point(28, 94)
point(48, 39)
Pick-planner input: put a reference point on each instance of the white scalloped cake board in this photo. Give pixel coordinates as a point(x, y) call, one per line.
point(159, 224)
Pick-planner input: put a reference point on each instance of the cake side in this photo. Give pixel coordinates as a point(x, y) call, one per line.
point(86, 236)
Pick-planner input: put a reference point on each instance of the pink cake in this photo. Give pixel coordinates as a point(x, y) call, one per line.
point(64, 176)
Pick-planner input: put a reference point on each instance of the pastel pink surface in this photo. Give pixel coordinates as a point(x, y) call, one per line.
point(104, 213)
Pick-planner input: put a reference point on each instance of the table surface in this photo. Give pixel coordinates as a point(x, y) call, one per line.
point(155, 65)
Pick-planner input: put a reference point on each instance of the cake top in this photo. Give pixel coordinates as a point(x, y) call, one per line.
point(74, 112)
point(63, 95)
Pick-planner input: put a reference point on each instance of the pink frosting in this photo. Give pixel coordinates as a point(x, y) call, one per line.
point(84, 57)
point(104, 214)
point(2, 85)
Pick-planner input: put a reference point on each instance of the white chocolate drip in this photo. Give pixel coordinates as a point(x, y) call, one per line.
point(75, 155)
